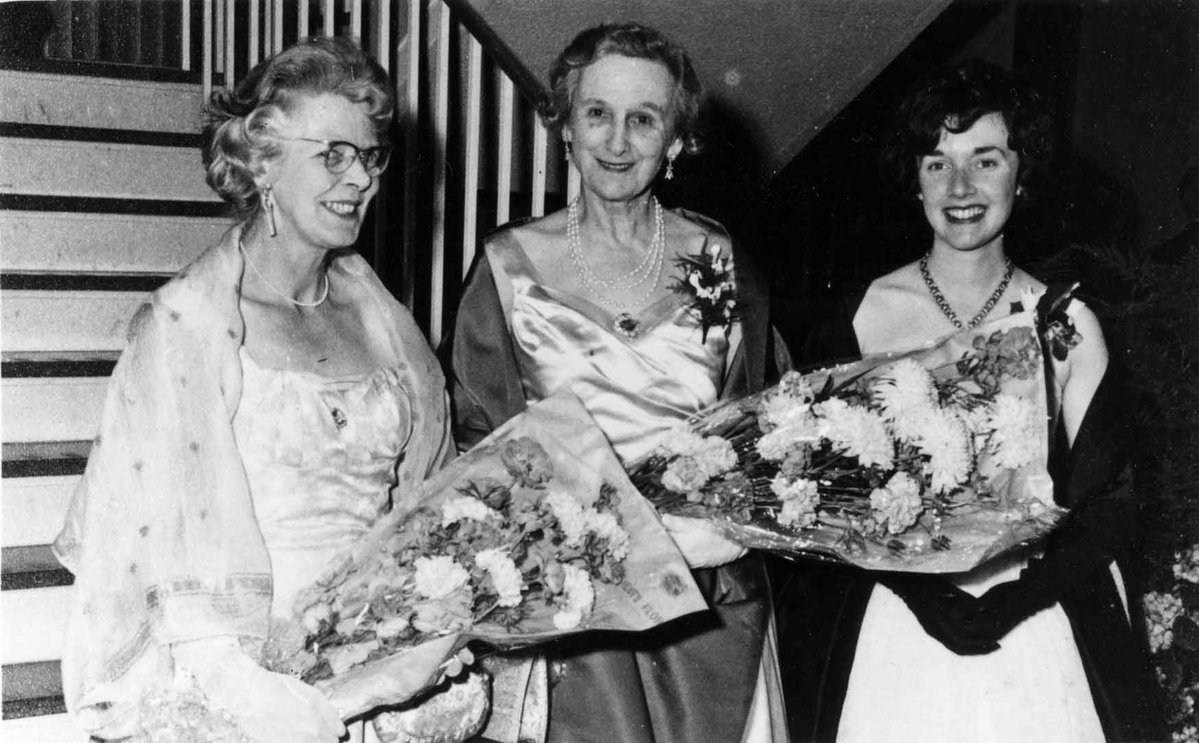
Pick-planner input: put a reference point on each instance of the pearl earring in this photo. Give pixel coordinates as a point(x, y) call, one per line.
point(569, 149)
point(670, 168)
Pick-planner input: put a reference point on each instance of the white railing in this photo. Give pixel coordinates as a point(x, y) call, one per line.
point(434, 58)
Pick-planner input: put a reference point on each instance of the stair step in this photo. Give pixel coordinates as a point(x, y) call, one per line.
point(39, 680)
point(102, 205)
point(44, 459)
point(58, 364)
point(36, 320)
point(51, 408)
point(121, 243)
point(77, 100)
point(35, 624)
point(52, 726)
point(101, 169)
point(33, 509)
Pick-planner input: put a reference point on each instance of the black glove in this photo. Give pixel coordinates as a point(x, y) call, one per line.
point(1006, 605)
point(946, 612)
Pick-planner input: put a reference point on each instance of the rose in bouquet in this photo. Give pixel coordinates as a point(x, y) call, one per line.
point(534, 533)
point(1172, 621)
point(928, 461)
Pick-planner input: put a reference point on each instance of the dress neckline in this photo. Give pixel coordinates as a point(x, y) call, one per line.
point(315, 378)
point(649, 317)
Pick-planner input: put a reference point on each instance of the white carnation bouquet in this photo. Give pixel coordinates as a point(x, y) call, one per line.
point(929, 461)
point(533, 534)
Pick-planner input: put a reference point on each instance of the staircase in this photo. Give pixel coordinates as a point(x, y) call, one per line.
point(102, 197)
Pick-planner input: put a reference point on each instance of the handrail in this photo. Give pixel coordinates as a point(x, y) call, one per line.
point(444, 199)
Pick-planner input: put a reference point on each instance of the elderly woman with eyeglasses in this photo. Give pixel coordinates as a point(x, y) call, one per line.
point(273, 400)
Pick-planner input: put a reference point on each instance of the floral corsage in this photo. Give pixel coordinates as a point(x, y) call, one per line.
point(708, 280)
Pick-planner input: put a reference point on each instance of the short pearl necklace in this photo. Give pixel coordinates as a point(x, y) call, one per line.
point(315, 303)
point(650, 269)
point(943, 303)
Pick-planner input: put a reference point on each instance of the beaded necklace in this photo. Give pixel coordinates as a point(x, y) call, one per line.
point(943, 303)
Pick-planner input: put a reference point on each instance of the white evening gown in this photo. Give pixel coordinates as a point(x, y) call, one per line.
point(906, 686)
point(320, 454)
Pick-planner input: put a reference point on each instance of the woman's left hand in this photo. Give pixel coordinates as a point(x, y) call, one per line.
point(702, 546)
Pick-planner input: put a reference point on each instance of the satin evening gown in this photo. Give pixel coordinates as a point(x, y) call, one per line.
point(637, 389)
point(320, 455)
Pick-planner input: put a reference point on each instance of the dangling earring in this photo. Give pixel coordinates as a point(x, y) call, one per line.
point(569, 150)
point(670, 168)
point(268, 203)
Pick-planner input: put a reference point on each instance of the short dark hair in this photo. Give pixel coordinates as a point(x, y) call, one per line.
point(236, 120)
point(957, 97)
point(628, 40)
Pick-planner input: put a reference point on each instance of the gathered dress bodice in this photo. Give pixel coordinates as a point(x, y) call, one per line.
point(320, 455)
point(637, 388)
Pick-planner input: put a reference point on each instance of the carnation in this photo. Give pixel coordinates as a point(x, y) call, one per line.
point(681, 442)
point(1017, 431)
point(503, 573)
point(607, 527)
point(717, 456)
point(577, 599)
point(904, 386)
point(784, 410)
point(439, 576)
point(897, 505)
point(684, 475)
point(774, 446)
point(799, 501)
point(858, 432)
point(465, 507)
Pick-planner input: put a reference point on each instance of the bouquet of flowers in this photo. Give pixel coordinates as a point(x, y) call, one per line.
point(928, 461)
point(1172, 620)
point(534, 533)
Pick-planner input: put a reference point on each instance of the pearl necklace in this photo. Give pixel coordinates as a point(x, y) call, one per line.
point(315, 303)
point(650, 269)
point(943, 304)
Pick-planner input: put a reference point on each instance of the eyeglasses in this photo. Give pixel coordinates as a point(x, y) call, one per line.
point(339, 156)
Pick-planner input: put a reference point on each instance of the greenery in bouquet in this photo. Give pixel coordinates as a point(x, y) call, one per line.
point(496, 552)
point(894, 450)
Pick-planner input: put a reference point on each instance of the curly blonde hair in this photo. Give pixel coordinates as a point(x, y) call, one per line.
point(236, 120)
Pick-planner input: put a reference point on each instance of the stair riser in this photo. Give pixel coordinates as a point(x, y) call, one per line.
point(48, 729)
point(35, 623)
point(64, 168)
point(67, 321)
point(112, 243)
point(33, 509)
point(65, 100)
point(51, 409)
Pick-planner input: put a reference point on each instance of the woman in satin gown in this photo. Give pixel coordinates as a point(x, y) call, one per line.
point(273, 401)
point(582, 300)
point(1036, 647)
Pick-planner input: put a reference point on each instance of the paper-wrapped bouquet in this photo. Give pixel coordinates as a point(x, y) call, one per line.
point(534, 533)
point(932, 461)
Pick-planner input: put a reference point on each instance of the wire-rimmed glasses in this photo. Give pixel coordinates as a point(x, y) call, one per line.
point(339, 155)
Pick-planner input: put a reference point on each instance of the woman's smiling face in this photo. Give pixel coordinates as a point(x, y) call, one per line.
point(968, 185)
point(312, 205)
point(621, 125)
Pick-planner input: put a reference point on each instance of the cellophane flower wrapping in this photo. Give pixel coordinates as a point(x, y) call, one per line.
point(533, 534)
point(929, 461)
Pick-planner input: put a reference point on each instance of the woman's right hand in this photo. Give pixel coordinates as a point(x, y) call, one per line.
point(268, 706)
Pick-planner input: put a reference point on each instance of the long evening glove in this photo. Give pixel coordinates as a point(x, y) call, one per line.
point(1097, 487)
point(946, 612)
point(700, 544)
